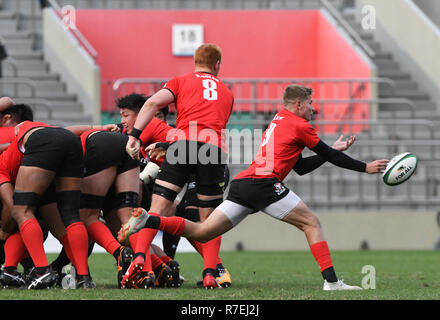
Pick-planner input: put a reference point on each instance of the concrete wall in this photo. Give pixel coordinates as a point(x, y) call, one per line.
point(260, 44)
point(343, 231)
point(431, 8)
point(77, 69)
point(405, 30)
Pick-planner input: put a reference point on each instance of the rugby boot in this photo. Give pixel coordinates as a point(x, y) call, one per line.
point(339, 285)
point(175, 280)
point(84, 282)
point(224, 277)
point(11, 278)
point(146, 280)
point(210, 282)
point(137, 221)
point(164, 275)
point(131, 277)
point(41, 279)
point(124, 259)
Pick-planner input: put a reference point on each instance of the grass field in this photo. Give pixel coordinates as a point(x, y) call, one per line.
point(407, 275)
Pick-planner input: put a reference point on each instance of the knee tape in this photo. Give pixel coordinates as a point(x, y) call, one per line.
point(214, 203)
point(126, 199)
point(91, 201)
point(68, 203)
point(164, 192)
point(22, 198)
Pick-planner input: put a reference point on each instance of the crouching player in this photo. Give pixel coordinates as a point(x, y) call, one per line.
point(50, 154)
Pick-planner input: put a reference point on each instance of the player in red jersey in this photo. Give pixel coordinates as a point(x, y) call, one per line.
point(203, 104)
point(101, 172)
point(49, 154)
point(260, 187)
point(158, 270)
point(10, 115)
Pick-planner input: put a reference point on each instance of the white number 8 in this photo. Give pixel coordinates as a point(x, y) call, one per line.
point(210, 92)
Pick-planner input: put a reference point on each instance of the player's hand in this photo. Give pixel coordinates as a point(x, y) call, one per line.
point(154, 152)
point(132, 147)
point(342, 144)
point(149, 173)
point(377, 166)
point(111, 127)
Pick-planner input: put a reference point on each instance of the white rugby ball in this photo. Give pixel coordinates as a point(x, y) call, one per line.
point(400, 168)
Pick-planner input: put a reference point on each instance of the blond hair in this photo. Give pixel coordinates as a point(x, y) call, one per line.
point(207, 55)
point(295, 92)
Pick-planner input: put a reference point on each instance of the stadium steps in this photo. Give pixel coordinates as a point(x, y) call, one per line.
point(387, 67)
point(24, 53)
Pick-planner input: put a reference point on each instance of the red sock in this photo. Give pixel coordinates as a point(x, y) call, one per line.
point(172, 225)
point(322, 254)
point(102, 236)
point(145, 238)
point(133, 240)
point(15, 250)
point(155, 261)
point(79, 244)
point(32, 236)
point(148, 266)
point(66, 245)
point(210, 252)
point(199, 248)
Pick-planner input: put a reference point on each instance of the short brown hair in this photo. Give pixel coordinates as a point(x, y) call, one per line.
point(295, 92)
point(207, 55)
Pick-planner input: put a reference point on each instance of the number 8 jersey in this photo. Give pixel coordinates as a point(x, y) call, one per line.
point(204, 104)
point(283, 141)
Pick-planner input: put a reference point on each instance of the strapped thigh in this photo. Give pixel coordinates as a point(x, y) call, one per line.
point(24, 198)
point(90, 201)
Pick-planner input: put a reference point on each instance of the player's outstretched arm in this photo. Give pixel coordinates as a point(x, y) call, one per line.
point(308, 164)
point(338, 158)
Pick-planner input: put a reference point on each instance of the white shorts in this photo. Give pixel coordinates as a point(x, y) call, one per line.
point(279, 209)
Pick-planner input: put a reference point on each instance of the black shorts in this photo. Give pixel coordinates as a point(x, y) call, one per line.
point(256, 194)
point(54, 149)
point(207, 162)
point(105, 149)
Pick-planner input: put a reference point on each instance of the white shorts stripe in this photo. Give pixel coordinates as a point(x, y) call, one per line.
point(236, 212)
point(282, 207)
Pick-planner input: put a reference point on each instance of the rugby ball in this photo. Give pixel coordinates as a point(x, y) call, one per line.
point(400, 168)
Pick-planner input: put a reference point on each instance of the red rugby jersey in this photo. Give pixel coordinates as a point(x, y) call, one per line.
point(10, 161)
point(202, 102)
point(25, 126)
point(283, 141)
point(7, 134)
point(156, 131)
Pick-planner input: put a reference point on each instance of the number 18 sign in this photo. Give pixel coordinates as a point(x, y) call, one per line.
point(186, 38)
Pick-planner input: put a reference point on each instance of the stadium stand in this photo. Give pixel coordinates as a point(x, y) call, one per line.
point(401, 117)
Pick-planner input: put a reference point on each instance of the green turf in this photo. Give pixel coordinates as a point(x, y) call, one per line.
point(271, 276)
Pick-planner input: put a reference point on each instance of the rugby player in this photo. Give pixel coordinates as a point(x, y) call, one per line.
point(260, 187)
point(204, 104)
